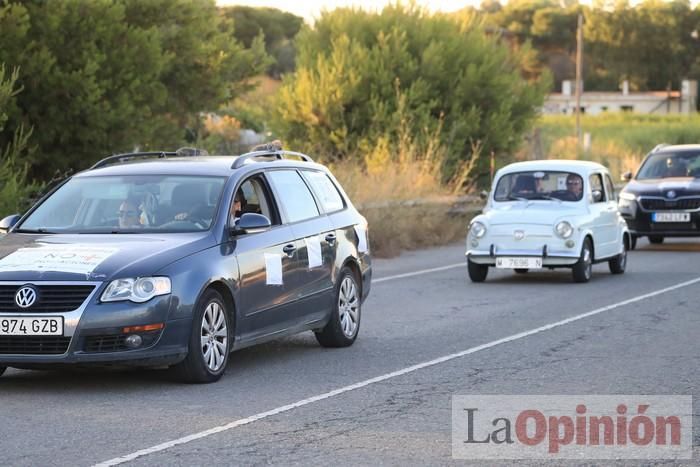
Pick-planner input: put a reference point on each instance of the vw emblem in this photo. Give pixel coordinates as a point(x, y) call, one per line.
point(519, 234)
point(671, 194)
point(25, 297)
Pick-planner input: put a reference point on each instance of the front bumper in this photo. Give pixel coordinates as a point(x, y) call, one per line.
point(550, 259)
point(640, 223)
point(93, 332)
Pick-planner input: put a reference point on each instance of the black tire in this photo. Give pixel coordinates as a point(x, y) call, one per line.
point(477, 272)
point(344, 324)
point(194, 369)
point(583, 269)
point(521, 270)
point(656, 239)
point(2, 370)
point(618, 264)
point(633, 242)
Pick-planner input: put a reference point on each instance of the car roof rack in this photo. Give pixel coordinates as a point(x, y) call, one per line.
point(269, 150)
point(126, 157)
point(659, 147)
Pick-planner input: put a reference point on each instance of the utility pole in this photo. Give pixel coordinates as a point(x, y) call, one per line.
point(579, 66)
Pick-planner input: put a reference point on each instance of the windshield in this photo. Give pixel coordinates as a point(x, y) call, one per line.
point(667, 165)
point(128, 204)
point(545, 185)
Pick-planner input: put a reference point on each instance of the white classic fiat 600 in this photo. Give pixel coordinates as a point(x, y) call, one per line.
point(549, 214)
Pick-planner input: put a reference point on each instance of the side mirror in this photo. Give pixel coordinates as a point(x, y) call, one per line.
point(597, 196)
point(484, 195)
point(8, 222)
point(250, 223)
point(626, 177)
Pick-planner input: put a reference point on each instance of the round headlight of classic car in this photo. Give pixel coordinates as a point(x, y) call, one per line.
point(477, 229)
point(564, 229)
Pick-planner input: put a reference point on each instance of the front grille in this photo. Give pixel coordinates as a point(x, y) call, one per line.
point(105, 343)
point(653, 204)
point(50, 298)
point(33, 345)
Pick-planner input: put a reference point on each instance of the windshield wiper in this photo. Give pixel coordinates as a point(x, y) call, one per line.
point(545, 196)
point(517, 198)
point(39, 230)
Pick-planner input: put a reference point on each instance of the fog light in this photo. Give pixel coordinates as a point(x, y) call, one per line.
point(133, 341)
point(475, 243)
point(569, 243)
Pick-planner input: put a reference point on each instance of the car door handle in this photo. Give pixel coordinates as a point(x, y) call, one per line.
point(330, 238)
point(289, 250)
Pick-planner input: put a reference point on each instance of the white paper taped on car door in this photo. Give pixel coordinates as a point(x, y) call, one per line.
point(81, 259)
point(273, 269)
point(362, 239)
point(313, 250)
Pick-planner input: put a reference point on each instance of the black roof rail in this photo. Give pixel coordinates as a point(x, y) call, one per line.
point(121, 158)
point(277, 154)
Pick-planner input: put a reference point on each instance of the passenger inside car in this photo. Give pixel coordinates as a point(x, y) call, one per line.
point(524, 185)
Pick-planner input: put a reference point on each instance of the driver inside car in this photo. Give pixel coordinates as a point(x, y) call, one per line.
point(129, 214)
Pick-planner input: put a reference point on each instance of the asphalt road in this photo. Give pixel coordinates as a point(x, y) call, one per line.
point(648, 346)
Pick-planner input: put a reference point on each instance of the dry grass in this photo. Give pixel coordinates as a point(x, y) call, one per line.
point(383, 181)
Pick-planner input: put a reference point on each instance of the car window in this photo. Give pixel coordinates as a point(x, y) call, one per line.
point(133, 203)
point(293, 195)
point(325, 190)
point(540, 185)
point(610, 188)
point(254, 198)
point(669, 164)
point(597, 184)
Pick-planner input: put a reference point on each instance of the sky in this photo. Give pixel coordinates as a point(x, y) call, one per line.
point(308, 9)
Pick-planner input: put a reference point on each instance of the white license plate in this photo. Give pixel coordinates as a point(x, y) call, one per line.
point(31, 326)
point(671, 217)
point(509, 262)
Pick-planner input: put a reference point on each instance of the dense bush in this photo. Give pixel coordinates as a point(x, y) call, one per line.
point(362, 76)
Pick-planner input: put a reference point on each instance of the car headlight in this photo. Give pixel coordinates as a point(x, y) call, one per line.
point(137, 290)
point(627, 196)
point(477, 229)
point(564, 229)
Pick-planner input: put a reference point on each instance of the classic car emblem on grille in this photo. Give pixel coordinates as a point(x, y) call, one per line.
point(25, 297)
point(519, 234)
point(671, 194)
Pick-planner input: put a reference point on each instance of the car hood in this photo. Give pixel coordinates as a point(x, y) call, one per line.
point(531, 212)
point(64, 257)
point(682, 186)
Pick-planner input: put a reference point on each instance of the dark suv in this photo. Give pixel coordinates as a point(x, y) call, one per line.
point(663, 199)
point(155, 259)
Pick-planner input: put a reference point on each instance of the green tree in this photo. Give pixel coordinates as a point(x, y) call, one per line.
point(362, 77)
point(110, 75)
point(15, 188)
point(277, 27)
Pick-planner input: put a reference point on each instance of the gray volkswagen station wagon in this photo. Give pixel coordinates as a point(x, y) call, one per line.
point(178, 258)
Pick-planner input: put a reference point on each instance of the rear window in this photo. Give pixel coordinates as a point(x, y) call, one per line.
point(293, 194)
point(325, 190)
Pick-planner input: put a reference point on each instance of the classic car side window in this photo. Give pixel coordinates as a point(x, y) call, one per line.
point(597, 184)
point(610, 188)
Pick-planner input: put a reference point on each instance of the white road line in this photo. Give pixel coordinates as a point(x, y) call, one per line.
point(378, 379)
point(418, 273)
